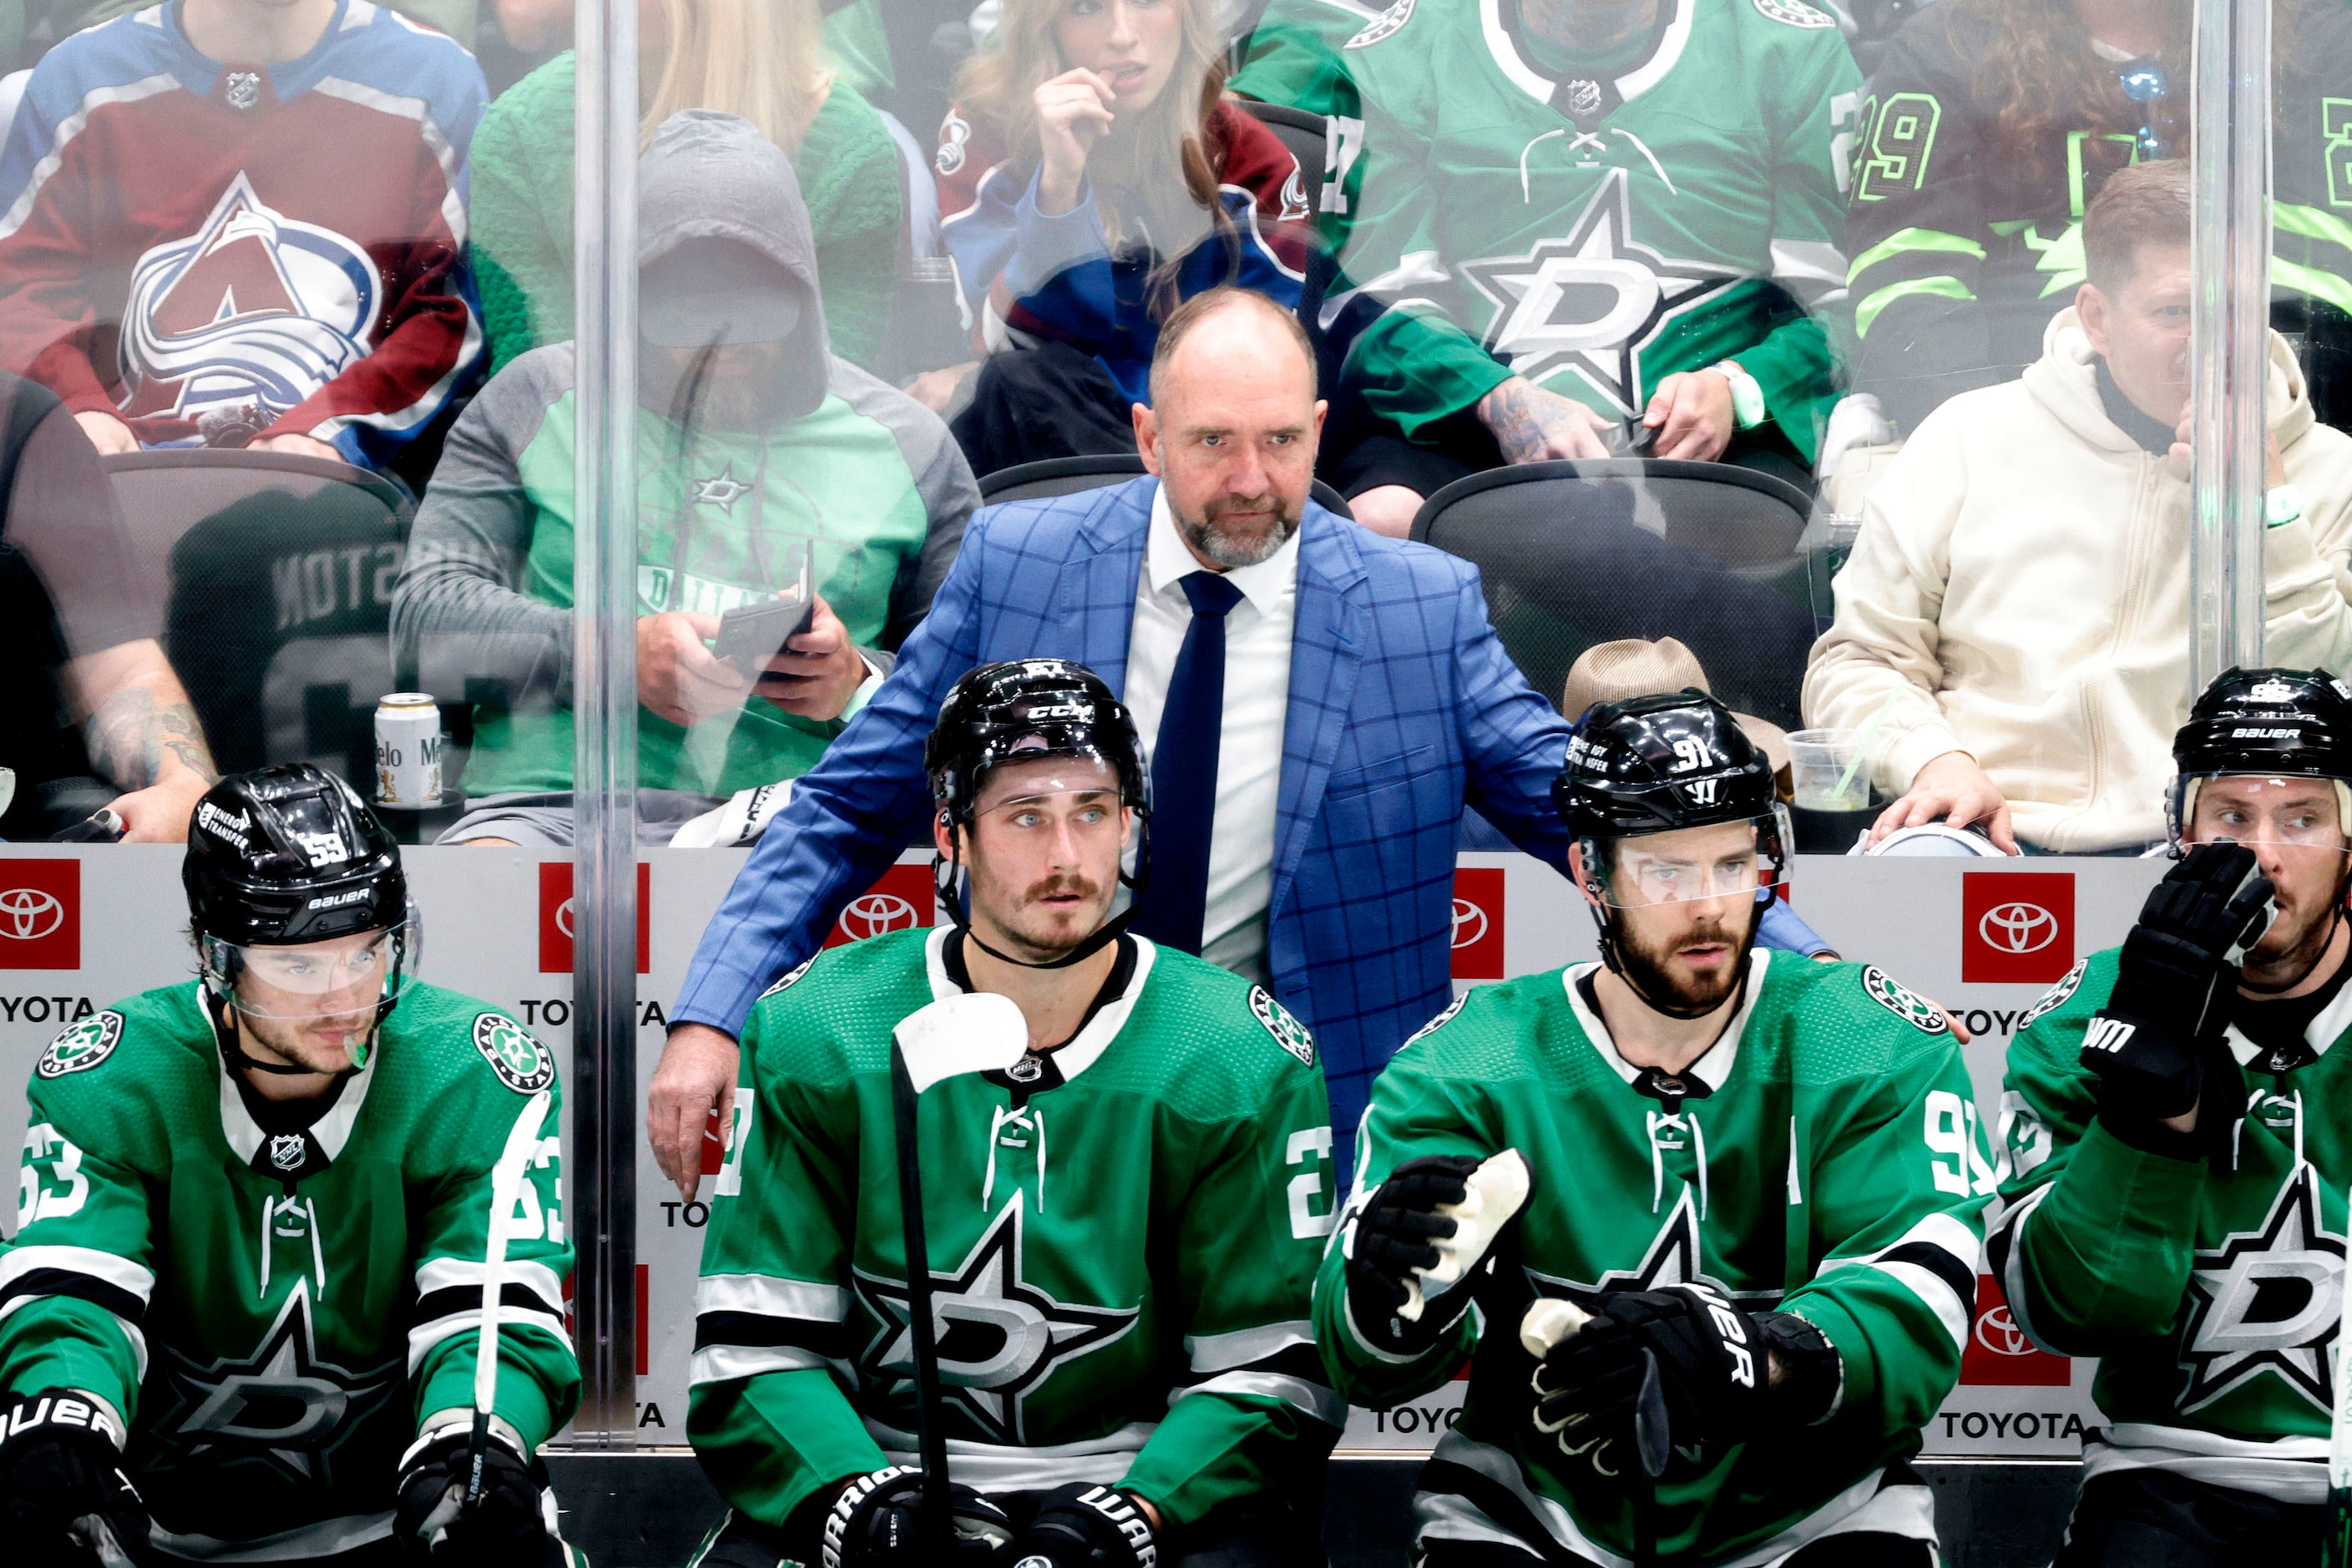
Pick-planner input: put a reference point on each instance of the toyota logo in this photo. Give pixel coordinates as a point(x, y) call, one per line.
point(1998, 1333)
point(2018, 928)
point(28, 914)
point(563, 917)
point(876, 913)
point(1469, 923)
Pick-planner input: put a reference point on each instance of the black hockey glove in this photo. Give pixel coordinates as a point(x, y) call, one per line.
point(874, 1524)
point(1087, 1526)
point(1392, 1238)
point(2172, 982)
point(505, 1527)
point(1713, 1378)
point(64, 1500)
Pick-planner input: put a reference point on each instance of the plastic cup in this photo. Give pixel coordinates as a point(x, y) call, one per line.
point(1826, 771)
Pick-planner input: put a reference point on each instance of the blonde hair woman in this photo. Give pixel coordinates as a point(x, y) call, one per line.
point(763, 59)
point(1092, 178)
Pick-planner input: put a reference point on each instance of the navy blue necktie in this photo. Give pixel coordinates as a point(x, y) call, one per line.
point(1184, 771)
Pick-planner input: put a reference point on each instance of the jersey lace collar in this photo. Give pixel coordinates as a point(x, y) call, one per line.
point(2327, 1026)
point(1088, 1045)
point(1587, 100)
point(1714, 1064)
point(331, 1133)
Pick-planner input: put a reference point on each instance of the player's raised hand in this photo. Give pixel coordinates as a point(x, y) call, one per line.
point(64, 1500)
point(1532, 425)
point(874, 1524)
point(504, 1526)
point(1715, 1372)
point(1415, 1251)
point(1073, 112)
point(2194, 929)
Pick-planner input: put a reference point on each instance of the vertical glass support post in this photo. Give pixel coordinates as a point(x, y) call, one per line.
point(2229, 338)
point(604, 1122)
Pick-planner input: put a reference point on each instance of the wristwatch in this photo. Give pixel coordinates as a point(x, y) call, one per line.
point(1746, 397)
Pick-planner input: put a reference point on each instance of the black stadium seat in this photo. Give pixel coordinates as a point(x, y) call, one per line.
point(276, 573)
point(1067, 476)
point(1577, 553)
point(1302, 130)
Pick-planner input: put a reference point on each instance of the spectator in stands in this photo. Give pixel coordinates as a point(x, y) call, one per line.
point(761, 60)
point(183, 267)
point(1991, 123)
point(856, 43)
point(1569, 228)
point(458, 18)
point(759, 445)
point(2013, 628)
point(1317, 707)
point(1091, 179)
point(89, 692)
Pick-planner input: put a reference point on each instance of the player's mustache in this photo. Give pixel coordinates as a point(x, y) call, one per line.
point(1076, 887)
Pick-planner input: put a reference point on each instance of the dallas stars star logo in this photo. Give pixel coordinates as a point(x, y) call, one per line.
point(1589, 303)
point(1000, 1338)
point(722, 492)
point(284, 1406)
point(2266, 1300)
point(1672, 1258)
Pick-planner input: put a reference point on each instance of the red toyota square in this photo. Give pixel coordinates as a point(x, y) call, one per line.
point(1998, 1351)
point(555, 917)
point(1478, 924)
point(900, 900)
point(41, 914)
point(2017, 928)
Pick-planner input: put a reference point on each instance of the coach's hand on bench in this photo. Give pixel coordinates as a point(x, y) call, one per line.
point(697, 1075)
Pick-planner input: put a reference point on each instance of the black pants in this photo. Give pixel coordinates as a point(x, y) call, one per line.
point(1051, 401)
point(740, 1542)
point(2148, 1518)
point(1860, 1549)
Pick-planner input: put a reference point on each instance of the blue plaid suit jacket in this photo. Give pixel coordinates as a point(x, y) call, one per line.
point(1403, 706)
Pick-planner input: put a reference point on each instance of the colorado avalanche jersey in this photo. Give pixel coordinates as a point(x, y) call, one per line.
point(206, 248)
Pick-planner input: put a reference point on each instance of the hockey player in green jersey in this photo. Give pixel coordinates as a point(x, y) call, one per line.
point(2177, 1120)
point(1742, 1275)
point(245, 1295)
point(1580, 223)
point(1122, 1226)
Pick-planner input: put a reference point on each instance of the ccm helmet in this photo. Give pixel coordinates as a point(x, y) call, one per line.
point(285, 857)
point(1658, 764)
point(1022, 711)
point(2274, 724)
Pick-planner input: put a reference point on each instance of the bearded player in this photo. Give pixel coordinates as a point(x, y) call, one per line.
point(239, 1319)
point(2179, 1118)
point(1123, 1227)
point(1751, 1191)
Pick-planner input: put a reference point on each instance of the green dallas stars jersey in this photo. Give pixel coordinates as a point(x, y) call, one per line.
point(2210, 1289)
point(1123, 1236)
point(1592, 233)
point(1832, 1168)
point(273, 1345)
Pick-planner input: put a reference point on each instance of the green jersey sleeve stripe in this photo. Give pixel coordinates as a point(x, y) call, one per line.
point(467, 1324)
point(1223, 1352)
point(725, 1363)
point(436, 1275)
point(1904, 242)
point(125, 1276)
point(1946, 287)
point(1311, 1399)
point(766, 1296)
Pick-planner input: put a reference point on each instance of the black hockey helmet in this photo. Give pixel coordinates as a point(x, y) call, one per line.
point(283, 858)
point(288, 855)
point(1013, 711)
point(1655, 763)
point(1023, 708)
point(2276, 723)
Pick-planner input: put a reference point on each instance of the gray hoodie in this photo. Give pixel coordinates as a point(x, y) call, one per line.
point(482, 604)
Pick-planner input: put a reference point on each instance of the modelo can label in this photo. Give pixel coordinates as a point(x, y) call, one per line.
point(409, 750)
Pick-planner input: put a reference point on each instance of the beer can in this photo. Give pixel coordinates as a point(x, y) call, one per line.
point(408, 751)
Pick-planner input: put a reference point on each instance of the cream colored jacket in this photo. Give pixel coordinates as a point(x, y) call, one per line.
point(2020, 591)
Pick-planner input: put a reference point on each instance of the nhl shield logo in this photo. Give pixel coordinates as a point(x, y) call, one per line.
point(521, 1063)
point(287, 1150)
point(83, 1046)
point(1584, 99)
point(242, 90)
point(1287, 1032)
point(1917, 1011)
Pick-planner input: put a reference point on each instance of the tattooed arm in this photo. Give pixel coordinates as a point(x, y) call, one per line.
point(143, 733)
point(1531, 424)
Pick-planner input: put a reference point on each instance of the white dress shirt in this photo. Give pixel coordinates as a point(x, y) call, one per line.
point(1249, 744)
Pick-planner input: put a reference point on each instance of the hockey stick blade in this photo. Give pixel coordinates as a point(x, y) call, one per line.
point(976, 1031)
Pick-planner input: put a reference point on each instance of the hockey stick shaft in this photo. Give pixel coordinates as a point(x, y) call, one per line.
point(505, 1182)
point(2336, 1546)
point(931, 1439)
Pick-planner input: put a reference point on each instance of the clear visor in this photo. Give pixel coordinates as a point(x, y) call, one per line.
point(2305, 814)
point(318, 979)
point(1724, 860)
